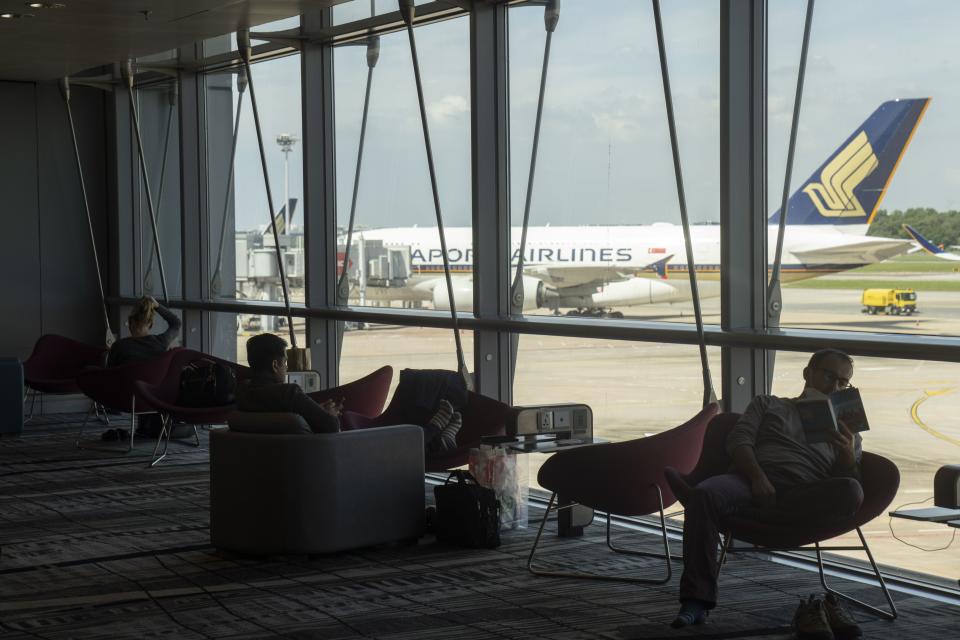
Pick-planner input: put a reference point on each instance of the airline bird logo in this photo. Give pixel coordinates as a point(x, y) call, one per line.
point(833, 196)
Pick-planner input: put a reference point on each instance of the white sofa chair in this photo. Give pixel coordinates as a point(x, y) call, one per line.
point(277, 488)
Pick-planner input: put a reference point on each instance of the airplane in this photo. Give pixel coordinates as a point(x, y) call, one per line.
point(928, 246)
point(592, 269)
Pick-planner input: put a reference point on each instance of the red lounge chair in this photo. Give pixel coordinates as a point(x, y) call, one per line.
point(115, 388)
point(364, 397)
point(54, 365)
point(879, 477)
point(622, 478)
point(163, 397)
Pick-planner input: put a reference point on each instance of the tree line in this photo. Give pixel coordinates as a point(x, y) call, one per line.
point(939, 227)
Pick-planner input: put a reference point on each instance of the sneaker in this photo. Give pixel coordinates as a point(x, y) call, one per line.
point(691, 612)
point(810, 620)
point(840, 620)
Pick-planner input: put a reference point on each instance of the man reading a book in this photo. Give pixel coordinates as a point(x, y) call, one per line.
point(776, 475)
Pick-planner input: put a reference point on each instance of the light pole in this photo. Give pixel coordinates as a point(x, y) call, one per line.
point(286, 142)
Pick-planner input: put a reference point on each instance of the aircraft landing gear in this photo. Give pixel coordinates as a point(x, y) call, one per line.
point(595, 313)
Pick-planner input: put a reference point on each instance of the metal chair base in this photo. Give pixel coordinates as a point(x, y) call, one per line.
point(166, 430)
point(887, 615)
point(98, 410)
point(596, 576)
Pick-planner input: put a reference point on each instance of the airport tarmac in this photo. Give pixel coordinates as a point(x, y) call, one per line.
point(637, 388)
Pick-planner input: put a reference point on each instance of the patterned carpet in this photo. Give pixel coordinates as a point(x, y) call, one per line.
point(96, 545)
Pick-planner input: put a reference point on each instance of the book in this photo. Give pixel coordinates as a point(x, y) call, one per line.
point(820, 414)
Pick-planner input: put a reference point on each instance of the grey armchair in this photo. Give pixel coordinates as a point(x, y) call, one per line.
point(277, 488)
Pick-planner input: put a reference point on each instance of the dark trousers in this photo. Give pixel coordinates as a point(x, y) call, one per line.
point(722, 496)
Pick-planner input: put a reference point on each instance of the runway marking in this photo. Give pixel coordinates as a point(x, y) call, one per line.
point(914, 413)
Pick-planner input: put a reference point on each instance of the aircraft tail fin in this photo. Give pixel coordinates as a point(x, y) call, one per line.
point(848, 187)
point(660, 267)
point(925, 244)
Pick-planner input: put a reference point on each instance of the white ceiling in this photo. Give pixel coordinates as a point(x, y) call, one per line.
point(89, 33)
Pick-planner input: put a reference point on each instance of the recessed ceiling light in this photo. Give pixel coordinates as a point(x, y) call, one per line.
point(45, 5)
point(13, 16)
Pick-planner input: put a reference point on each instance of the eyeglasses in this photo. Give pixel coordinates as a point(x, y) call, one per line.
point(833, 378)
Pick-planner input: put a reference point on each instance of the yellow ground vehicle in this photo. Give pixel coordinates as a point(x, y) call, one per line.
point(889, 301)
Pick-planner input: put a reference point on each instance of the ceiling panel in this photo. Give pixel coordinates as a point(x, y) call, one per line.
point(88, 33)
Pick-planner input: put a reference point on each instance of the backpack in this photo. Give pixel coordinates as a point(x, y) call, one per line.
point(206, 383)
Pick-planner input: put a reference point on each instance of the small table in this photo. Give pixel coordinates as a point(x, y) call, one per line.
point(571, 517)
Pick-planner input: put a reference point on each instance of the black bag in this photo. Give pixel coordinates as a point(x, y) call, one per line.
point(468, 514)
point(206, 383)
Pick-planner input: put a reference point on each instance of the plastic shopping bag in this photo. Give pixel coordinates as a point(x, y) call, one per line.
point(507, 474)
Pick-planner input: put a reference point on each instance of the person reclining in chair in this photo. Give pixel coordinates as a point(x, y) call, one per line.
point(775, 476)
point(268, 391)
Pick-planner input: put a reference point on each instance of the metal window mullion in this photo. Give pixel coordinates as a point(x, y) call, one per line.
point(194, 235)
point(743, 193)
point(320, 196)
point(490, 172)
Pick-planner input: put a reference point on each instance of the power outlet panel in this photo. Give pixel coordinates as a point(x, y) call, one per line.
point(576, 419)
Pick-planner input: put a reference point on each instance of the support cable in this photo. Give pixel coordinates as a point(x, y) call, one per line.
point(774, 297)
point(343, 285)
point(128, 73)
point(407, 12)
point(243, 41)
point(172, 96)
point(709, 395)
point(550, 18)
point(216, 285)
point(110, 336)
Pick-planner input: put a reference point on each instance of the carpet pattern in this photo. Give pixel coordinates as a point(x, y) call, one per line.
point(97, 545)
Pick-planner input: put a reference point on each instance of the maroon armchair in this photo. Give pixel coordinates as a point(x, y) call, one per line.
point(879, 477)
point(55, 363)
point(625, 479)
point(363, 397)
point(482, 416)
point(163, 397)
point(115, 388)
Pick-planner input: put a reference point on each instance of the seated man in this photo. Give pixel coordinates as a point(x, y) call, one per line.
point(268, 391)
point(775, 475)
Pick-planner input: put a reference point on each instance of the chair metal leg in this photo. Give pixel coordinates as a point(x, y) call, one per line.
point(166, 427)
point(84, 425)
point(889, 615)
point(101, 413)
point(32, 394)
point(593, 576)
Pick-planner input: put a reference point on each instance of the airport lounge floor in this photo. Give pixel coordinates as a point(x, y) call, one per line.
point(96, 545)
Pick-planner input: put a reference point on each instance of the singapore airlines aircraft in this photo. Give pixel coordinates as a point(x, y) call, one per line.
point(929, 247)
point(591, 269)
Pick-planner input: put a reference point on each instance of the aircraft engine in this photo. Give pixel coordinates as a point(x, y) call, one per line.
point(462, 294)
point(636, 291)
point(537, 294)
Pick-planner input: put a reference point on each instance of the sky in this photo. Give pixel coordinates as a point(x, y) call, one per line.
point(604, 146)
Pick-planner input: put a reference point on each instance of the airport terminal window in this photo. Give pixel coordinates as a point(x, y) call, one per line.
point(160, 127)
point(229, 332)
point(911, 410)
point(604, 214)
point(395, 257)
point(360, 9)
point(634, 388)
point(875, 146)
point(367, 347)
point(243, 260)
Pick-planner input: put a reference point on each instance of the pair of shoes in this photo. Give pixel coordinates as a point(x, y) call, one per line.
point(115, 435)
point(824, 619)
point(691, 612)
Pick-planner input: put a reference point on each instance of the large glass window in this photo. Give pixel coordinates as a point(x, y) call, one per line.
point(395, 257)
point(158, 109)
point(604, 235)
point(243, 255)
point(911, 409)
point(874, 152)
